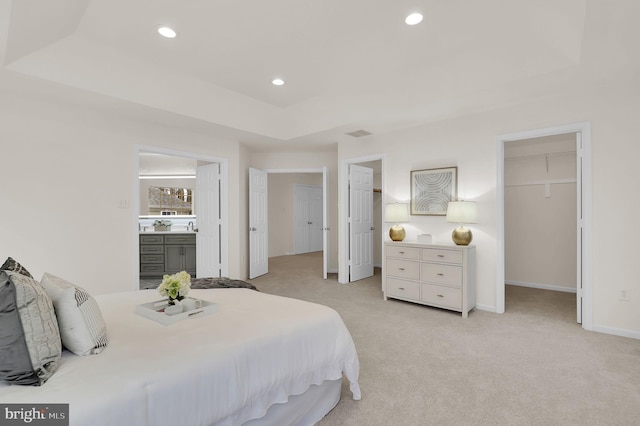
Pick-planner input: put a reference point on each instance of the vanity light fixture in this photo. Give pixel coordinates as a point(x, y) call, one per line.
point(167, 32)
point(277, 82)
point(413, 19)
point(167, 177)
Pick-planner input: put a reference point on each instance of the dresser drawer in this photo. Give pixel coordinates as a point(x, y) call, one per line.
point(442, 255)
point(401, 268)
point(441, 274)
point(442, 296)
point(151, 249)
point(180, 239)
point(151, 239)
point(403, 289)
point(405, 252)
point(152, 258)
point(152, 268)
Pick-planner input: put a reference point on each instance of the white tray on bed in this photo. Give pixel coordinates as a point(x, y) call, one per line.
point(155, 311)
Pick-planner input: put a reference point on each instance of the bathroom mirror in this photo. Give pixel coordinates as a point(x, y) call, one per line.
point(167, 196)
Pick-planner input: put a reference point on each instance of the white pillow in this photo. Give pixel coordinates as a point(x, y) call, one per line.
point(82, 327)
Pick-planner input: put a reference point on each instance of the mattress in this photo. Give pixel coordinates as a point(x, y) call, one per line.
point(226, 368)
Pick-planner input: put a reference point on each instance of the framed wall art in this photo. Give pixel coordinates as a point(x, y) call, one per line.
point(432, 189)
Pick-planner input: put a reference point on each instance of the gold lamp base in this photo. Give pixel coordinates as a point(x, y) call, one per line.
point(397, 233)
point(462, 236)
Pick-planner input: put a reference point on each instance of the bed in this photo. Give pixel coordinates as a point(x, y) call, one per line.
point(259, 359)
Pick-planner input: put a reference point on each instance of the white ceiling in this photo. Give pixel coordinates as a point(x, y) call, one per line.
point(348, 65)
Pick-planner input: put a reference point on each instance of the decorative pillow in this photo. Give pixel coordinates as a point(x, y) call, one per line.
point(30, 345)
point(11, 265)
point(82, 327)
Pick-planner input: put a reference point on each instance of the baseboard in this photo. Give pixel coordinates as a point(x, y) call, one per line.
point(542, 286)
point(617, 331)
point(487, 308)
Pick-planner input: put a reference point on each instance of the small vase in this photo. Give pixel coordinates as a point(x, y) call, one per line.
point(173, 309)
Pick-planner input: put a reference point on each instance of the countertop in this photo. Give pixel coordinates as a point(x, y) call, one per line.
point(166, 232)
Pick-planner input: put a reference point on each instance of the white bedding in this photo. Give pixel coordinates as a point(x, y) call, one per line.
point(223, 369)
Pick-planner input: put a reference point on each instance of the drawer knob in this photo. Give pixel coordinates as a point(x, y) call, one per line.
point(401, 288)
point(402, 269)
point(440, 274)
point(441, 255)
point(401, 252)
point(440, 295)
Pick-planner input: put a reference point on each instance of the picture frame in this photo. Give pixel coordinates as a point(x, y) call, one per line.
point(432, 189)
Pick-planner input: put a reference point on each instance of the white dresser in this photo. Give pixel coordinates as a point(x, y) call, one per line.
point(440, 275)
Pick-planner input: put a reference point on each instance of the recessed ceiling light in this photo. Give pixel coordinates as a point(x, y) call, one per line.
point(167, 32)
point(413, 19)
point(277, 82)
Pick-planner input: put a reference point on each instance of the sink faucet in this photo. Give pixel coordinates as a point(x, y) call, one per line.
point(190, 226)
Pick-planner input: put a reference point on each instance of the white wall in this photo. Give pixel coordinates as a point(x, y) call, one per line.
point(65, 171)
point(470, 144)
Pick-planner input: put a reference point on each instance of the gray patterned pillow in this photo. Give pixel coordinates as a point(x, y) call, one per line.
point(30, 344)
point(82, 327)
point(11, 265)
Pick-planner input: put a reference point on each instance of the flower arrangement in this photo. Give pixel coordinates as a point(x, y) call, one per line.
point(176, 286)
point(162, 225)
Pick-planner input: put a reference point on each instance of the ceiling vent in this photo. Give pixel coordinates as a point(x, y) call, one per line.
point(359, 133)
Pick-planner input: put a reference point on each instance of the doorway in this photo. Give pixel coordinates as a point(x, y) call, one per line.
point(582, 132)
point(375, 162)
point(540, 219)
point(280, 211)
point(216, 222)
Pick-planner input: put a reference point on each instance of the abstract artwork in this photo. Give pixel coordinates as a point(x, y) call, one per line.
point(432, 189)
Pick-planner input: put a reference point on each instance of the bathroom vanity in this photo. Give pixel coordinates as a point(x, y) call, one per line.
point(167, 253)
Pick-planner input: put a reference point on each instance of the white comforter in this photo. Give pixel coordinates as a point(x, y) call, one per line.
point(225, 368)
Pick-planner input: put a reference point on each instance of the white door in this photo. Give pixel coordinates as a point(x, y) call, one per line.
point(258, 224)
point(307, 219)
point(207, 209)
point(360, 222)
point(315, 219)
point(325, 223)
point(579, 230)
point(301, 219)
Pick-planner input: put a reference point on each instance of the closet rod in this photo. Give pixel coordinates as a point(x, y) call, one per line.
point(550, 154)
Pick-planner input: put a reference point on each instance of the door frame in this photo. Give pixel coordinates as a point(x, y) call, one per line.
point(324, 171)
point(585, 185)
point(224, 203)
point(343, 212)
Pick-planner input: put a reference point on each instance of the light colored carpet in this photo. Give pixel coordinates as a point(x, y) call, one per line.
point(532, 365)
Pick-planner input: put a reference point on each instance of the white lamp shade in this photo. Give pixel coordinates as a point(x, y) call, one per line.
point(396, 213)
point(462, 212)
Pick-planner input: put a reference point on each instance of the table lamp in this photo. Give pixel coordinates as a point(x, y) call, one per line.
point(462, 212)
point(396, 213)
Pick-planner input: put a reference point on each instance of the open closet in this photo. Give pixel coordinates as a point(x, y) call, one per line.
point(540, 197)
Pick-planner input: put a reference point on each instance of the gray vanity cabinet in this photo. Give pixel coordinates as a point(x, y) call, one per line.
point(180, 253)
point(162, 254)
